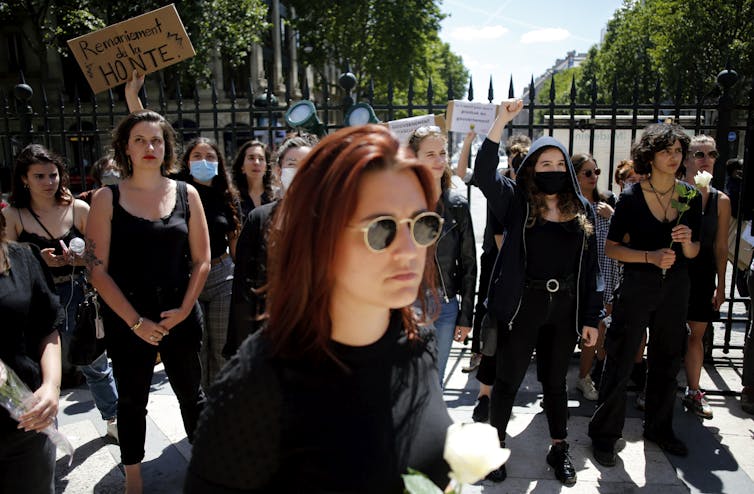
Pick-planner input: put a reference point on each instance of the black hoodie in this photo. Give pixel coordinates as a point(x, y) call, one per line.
point(508, 202)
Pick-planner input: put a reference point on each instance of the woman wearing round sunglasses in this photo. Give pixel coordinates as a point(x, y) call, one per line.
point(455, 256)
point(545, 287)
point(603, 203)
point(706, 296)
point(339, 392)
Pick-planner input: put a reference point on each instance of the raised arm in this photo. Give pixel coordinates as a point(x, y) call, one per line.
point(133, 86)
point(498, 190)
point(462, 169)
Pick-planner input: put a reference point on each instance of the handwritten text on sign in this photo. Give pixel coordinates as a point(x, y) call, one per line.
point(465, 116)
point(405, 126)
point(145, 43)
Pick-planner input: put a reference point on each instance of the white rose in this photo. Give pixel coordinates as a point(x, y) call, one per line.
point(473, 451)
point(702, 179)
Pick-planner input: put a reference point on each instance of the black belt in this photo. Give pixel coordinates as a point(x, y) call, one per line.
point(552, 285)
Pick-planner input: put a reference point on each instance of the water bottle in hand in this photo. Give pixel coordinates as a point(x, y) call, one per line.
point(77, 246)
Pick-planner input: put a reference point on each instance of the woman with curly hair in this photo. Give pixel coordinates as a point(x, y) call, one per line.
point(545, 288)
point(654, 241)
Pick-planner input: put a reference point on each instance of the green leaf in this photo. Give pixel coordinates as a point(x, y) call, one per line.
point(417, 483)
point(681, 190)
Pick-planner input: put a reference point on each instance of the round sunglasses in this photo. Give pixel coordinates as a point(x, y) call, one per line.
point(380, 233)
point(588, 173)
point(701, 154)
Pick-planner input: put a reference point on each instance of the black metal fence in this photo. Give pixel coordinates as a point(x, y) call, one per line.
point(79, 127)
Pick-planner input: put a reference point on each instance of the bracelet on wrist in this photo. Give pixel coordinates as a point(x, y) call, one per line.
point(137, 324)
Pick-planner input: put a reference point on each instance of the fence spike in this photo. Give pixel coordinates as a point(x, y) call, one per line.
point(451, 93)
point(370, 91)
point(573, 88)
point(511, 94)
point(305, 88)
point(490, 91)
point(470, 92)
point(552, 88)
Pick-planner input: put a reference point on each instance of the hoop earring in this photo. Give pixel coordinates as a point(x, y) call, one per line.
point(26, 186)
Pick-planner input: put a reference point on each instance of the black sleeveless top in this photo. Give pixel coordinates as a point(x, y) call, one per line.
point(708, 231)
point(150, 260)
point(53, 243)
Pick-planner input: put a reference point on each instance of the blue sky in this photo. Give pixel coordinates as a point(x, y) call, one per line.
point(521, 38)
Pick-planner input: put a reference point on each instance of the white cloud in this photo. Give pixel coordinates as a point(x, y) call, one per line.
point(474, 33)
point(546, 35)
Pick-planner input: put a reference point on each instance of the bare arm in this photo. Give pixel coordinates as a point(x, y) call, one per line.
point(463, 159)
point(48, 394)
point(200, 258)
point(11, 223)
point(133, 86)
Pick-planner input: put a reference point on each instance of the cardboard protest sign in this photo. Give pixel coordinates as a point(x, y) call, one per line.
point(465, 116)
point(405, 126)
point(146, 43)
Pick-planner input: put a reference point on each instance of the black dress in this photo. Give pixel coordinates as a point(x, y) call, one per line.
point(281, 425)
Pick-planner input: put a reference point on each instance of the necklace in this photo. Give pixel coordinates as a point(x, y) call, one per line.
point(659, 195)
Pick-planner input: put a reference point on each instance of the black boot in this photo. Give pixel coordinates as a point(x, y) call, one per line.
point(500, 473)
point(481, 411)
point(560, 461)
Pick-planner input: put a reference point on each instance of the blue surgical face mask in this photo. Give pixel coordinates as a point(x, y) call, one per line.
point(203, 170)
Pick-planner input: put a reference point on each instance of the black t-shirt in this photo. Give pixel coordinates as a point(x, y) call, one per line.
point(552, 249)
point(632, 216)
point(29, 311)
point(284, 425)
point(219, 218)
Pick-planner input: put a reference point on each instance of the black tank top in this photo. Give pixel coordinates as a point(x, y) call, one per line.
point(150, 260)
point(54, 243)
point(708, 231)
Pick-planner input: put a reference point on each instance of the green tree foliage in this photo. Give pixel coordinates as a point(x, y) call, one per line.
point(383, 40)
point(683, 44)
point(228, 26)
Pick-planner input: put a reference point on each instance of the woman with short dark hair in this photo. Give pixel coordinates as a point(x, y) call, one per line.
point(654, 241)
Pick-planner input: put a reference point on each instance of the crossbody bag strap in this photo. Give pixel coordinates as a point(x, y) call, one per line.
point(34, 215)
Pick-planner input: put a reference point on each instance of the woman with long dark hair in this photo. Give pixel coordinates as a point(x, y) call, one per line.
point(43, 212)
point(252, 176)
point(545, 289)
point(654, 240)
point(339, 392)
point(148, 255)
point(205, 165)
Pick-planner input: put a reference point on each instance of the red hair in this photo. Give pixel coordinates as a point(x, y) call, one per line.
point(306, 229)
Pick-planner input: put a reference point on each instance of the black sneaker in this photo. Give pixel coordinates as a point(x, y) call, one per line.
point(670, 444)
point(560, 461)
point(497, 475)
point(604, 457)
point(481, 411)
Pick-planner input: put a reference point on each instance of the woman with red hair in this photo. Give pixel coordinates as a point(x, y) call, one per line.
point(340, 391)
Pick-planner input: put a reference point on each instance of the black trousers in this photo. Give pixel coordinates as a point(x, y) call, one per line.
point(133, 366)
point(644, 299)
point(27, 463)
point(546, 322)
point(486, 264)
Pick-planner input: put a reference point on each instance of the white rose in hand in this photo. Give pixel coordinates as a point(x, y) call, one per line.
point(702, 179)
point(473, 451)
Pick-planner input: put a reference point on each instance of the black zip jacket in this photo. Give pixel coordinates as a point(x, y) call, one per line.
point(508, 202)
point(455, 256)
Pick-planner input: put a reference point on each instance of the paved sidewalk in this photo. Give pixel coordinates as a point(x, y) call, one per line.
point(720, 458)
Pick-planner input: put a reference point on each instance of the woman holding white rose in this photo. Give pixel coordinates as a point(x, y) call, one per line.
point(654, 231)
point(706, 296)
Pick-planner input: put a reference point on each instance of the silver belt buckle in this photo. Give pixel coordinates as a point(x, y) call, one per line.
point(552, 285)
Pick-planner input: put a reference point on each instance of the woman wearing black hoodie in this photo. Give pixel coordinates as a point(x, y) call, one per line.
point(546, 287)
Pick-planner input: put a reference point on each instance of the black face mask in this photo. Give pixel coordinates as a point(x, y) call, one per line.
point(550, 182)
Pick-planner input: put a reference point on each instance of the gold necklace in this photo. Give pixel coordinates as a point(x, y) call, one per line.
point(658, 195)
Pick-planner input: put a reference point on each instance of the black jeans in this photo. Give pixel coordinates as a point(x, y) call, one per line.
point(546, 322)
point(27, 463)
point(644, 299)
point(133, 366)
